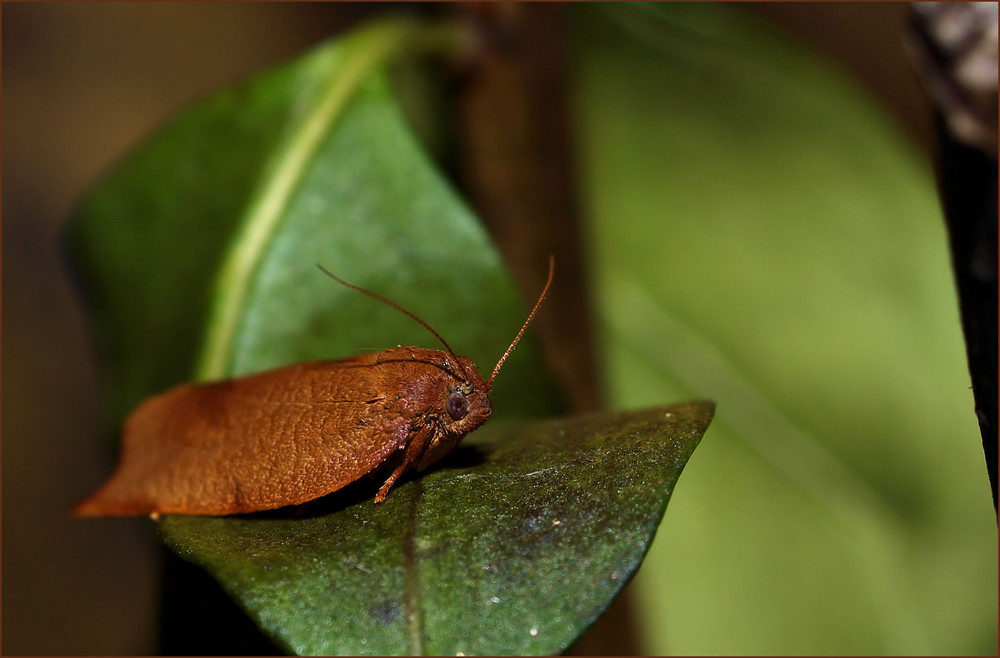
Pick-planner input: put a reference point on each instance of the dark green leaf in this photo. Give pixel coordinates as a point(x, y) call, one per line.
point(513, 546)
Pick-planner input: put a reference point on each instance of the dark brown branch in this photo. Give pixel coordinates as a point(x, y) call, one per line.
point(516, 161)
point(967, 178)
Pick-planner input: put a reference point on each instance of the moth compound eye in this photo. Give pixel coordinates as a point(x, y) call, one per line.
point(458, 405)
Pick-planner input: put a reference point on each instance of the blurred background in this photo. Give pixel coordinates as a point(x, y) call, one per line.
point(84, 83)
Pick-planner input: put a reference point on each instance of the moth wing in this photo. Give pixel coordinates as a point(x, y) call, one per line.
point(261, 442)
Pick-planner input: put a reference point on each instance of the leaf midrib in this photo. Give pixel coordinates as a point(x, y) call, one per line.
point(360, 54)
point(414, 622)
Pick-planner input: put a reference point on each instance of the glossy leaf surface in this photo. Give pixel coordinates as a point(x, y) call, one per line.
point(513, 546)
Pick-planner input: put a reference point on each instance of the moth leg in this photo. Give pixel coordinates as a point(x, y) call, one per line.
point(413, 452)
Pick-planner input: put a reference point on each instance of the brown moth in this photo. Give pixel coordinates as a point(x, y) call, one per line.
point(293, 434)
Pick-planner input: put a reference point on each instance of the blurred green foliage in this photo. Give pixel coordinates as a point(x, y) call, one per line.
point(762, 235)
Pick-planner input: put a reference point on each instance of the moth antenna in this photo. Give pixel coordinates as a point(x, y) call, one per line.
point(545, 291)
point(389, 302)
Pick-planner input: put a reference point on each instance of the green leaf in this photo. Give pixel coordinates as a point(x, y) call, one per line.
point(200, 253)
point(763, 236)
point(514, 546)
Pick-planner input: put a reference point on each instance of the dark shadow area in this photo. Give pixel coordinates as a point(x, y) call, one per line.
point(364, 490)
point(461, 457)
point(197, 617)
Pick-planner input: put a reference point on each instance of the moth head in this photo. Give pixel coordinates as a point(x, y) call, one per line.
point(466, 403)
